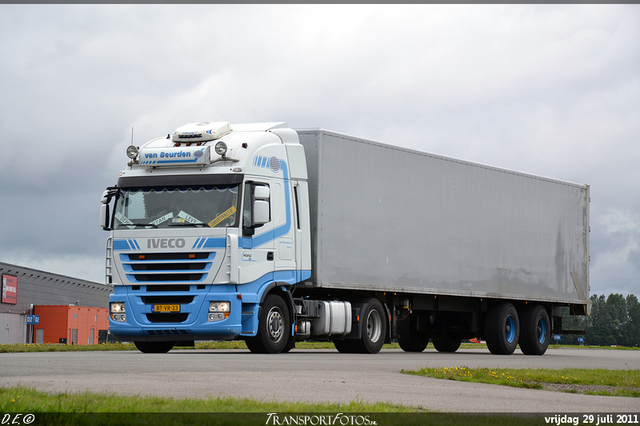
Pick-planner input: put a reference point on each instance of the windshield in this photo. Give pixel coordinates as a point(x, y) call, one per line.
point(197, 206)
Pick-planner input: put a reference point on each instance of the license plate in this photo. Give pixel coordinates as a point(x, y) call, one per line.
point(166, 308)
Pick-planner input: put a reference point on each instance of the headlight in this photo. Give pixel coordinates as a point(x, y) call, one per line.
point(117, 307)
point(118, 312)
point(219, 311)
point(219, 307)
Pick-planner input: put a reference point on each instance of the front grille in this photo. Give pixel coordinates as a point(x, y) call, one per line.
point(168, 277)
point(168, 288)
point(179, 300)
point(167, 267)
point(167, 318)
point(167, 256)
point(167, 332)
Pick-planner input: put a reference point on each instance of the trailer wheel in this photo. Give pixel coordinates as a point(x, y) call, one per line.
point(446, 342)
point(535, 333)
point(273, 327)
point(413, 343)
point(502, 328)
point(154, 347)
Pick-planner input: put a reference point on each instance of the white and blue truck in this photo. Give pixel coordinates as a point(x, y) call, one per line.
point(271, 235)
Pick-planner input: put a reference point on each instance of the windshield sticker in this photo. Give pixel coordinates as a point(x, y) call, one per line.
point(188, 218)
point(125, 220)
point(222, 216)
point(161, 219)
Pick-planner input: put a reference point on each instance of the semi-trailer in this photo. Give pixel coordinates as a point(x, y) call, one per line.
point(273, 235)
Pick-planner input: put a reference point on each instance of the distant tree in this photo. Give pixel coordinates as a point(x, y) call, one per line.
point(616, 308)
point(614, 320)
point(597, 331)
point(631, 330)
point(571, 322)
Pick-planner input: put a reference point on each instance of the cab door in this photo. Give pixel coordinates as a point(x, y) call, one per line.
point(257, 243)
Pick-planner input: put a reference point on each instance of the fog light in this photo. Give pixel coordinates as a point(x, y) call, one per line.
point(216, 317)
point(119, 317)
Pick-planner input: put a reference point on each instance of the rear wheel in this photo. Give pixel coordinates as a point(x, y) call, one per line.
point(502, 328)
point(374, 329)
point(535, 333)
point(413, 343)
point(274, 327)
point(346, 346)
point(154, 347)
point(446, 342)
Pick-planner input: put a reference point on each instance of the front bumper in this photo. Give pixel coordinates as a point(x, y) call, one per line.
point(190, 323)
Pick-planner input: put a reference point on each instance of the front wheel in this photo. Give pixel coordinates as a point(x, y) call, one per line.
point(274, 327)
point(502, 328)
point(154, 347)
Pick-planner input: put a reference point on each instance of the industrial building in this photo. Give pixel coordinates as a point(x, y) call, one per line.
point(34, 300)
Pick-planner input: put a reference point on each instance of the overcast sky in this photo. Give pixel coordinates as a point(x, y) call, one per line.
point(552, 90)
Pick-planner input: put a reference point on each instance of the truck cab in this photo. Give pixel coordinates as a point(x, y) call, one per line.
point(205, 224)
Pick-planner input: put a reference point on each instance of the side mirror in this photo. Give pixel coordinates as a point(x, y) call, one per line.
point(257, 211)
point(104, 216)
point(261, 205)
point(104, 208)
point(260, 212)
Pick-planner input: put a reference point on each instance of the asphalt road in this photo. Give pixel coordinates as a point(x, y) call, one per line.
point(317, 376)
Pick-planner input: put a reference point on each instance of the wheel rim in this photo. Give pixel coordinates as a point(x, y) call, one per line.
point(275, 324)
point(374, 326)
point(542, 330)
point(510, 329)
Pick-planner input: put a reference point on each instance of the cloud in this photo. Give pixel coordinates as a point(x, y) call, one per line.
point(546, 89)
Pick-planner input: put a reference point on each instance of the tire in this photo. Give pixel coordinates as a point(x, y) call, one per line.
point(154, 347)
point(413, 343)
point(502, 329)
point(535, 331)
point(374, 329)
point(346, 346)
point(446, 342)
point(274, 327)
point(291, 344)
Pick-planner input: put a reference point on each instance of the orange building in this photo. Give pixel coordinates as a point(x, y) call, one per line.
point(71, 324)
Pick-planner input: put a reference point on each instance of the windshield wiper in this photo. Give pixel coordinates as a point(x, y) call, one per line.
point(137, 224)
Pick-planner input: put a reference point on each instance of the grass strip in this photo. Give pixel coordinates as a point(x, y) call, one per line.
point(231, 344)
point(87, 408)
point(575, 380)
